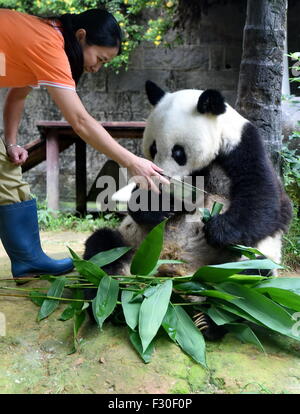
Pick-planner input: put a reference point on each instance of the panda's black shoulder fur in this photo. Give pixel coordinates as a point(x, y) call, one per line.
point(258, 204)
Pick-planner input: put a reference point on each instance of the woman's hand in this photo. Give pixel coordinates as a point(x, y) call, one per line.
point(143, 171)
point(17, 155)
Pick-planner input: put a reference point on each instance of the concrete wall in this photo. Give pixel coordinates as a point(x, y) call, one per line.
point(209, 57)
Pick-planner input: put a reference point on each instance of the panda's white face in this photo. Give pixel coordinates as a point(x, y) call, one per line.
point(180, 139)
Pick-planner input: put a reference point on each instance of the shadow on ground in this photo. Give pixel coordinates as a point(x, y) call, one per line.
point(35, 359)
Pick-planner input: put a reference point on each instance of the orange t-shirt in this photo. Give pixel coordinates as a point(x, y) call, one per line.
point(32, 53)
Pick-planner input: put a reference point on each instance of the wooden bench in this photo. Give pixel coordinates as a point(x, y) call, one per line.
point(56, 136)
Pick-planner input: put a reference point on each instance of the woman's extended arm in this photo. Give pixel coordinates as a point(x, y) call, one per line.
point(12, 114)
point(92, 132)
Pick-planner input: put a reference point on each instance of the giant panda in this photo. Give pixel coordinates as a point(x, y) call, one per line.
point(196, 133)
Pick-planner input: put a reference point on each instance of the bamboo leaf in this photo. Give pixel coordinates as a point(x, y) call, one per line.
point(73, 254)
point(170, 322)
point(147, 255)
point(136, 342)
point(205, 213)
point(70, 310)
point(270, 314)
point(245, 334)
point(221, 317)
point(216, 209)
point(50, 278)
point(131, 307)
point(89, 270)
point(152, 312)
point(108, 256)
point(283, 297)
point(212, 294)
point(246, 278)
point(235, 310)
point(78, 293)
point(150, 290)
point(67, 314)
point(35, 297)
point(196, 288)
point(219, 273)
point(190, 286)
point(163, 261)
point(182, 330)
point(249, 252)
point(49, 305)
point(106, 299)
point(216, 294)
point(79, 318)
point(189, 337)
point(288, 283)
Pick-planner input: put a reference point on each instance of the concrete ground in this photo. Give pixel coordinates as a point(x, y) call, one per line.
point(35, 359)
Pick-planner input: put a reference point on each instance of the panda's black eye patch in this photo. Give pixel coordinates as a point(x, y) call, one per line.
point(179, 155)
point(153, 149)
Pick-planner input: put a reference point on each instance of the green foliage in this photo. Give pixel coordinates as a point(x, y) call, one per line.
point(146, 257)
point(56, 290)
point(153, 305)
point(245, 334)
point(207, 215)
point(290, 162)
point(153, 310)
point(181, 329)
point(291, 248)
point(50, 220)
point(209, 274)
point(103, 258)
point(88, 269)
point(129, 13)
point(296, 67)
point(106, 299)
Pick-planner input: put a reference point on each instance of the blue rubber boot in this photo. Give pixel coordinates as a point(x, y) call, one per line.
point(19, 233)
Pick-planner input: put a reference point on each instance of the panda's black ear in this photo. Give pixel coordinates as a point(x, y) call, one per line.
point(211, 102)
point(154, 92)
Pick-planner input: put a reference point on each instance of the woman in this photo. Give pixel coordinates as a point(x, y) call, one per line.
point(53, 53)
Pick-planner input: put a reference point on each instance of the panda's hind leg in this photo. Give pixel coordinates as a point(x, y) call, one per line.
point(102, 240)
point(209, 329)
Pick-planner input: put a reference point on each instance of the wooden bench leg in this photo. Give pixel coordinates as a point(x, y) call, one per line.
point(52, 157)
point(81, 181)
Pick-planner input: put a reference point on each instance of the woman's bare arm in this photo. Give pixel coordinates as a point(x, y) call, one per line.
point(12, 114)
point(92, 132)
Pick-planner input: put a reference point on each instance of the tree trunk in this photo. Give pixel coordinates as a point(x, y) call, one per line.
point(259, 89)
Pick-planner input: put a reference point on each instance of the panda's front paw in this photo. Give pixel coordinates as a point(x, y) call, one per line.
point(219, 232)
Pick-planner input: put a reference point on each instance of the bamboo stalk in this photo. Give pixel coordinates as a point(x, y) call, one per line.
point(46, 297)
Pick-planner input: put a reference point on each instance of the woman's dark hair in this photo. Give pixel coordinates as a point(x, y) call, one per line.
point(101, 28)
